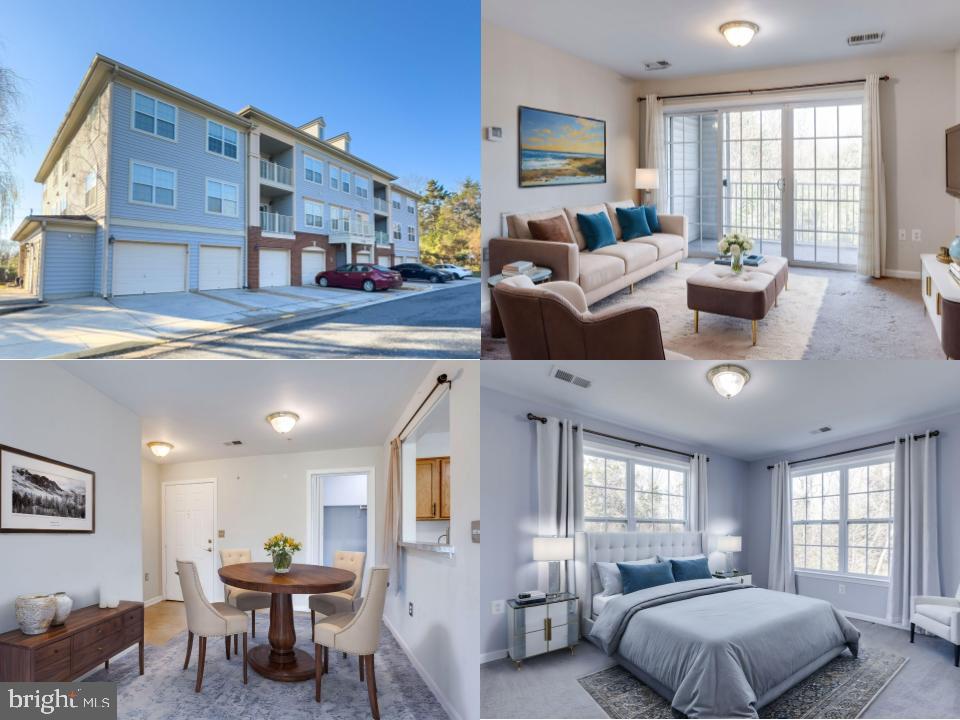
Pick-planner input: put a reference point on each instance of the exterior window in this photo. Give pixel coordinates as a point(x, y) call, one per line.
point(62, 204)
point(150, 185)
point(222, 198)
point(313, 212)
point(396, 203)
point(312, 169)
point(66, 165)
point(345, 181)
point(221, 140)
point(90, 188)
point(397, 232)
point(362, 186)
point(843, 518)
point(632, 493)
point(411, 207)
point(334, 177)
point(411, 235)
point(154, 116)
point(339, 219)
point(363, 224)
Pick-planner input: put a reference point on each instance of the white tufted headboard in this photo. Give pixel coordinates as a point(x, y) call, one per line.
point(620, 547)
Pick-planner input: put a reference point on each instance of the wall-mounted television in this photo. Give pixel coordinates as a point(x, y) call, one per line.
point(953, 161)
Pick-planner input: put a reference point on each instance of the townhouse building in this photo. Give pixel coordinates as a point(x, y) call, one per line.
point(149, 189)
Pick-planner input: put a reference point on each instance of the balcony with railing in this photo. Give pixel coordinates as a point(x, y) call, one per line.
point(276, 173)
point(380, 205)
point(276, 223)
point(342, 231)
point(382, 237)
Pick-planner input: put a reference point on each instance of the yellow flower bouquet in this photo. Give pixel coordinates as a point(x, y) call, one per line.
point(281, 548)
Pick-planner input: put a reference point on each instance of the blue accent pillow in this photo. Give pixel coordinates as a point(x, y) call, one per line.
point(641, 577)
point(597, 230)
point(696, 569)
point(652, 220)
point(633, 223)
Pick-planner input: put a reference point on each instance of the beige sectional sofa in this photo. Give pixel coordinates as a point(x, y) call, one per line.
point(599, 273)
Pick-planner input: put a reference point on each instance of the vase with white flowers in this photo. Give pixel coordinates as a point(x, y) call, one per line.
point(281, 548)
point(735, 245)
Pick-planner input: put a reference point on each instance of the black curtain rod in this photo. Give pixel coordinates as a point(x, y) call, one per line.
point(441, 380)
point(635, 443)
point(782, 88)
point(933, 433)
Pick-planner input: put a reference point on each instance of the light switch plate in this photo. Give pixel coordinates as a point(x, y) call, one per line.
point(916, 235)
point(841, 589)
point(475, 531)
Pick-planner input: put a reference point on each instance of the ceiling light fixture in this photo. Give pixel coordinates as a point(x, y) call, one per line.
point(739, 32)
point(283, 422)
point(160, 449)
point(728, 380)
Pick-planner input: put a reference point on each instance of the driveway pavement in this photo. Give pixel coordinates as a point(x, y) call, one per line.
point(93, 325)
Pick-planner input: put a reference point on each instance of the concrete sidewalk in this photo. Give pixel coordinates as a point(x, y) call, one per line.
point(93, 325)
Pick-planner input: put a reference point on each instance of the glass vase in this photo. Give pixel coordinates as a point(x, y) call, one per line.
point(282, 562)
point(736, 261)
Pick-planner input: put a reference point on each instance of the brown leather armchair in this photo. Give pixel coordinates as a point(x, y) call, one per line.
point(552, 322)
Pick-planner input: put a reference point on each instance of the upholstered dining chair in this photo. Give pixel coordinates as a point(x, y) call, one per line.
point(206, 619)
point(939, 616)
point(238, 597)
point(357, 633)
point(344, 600)
point(552, 321)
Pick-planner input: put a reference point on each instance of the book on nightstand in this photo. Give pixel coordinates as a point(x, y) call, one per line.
point(749, 260)
point(519, 267)
point(954, 270)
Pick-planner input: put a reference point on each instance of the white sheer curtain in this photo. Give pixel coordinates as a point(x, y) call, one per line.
point(781, 531)
point(560, 486)
point(390, 547)
point(654, 153)
point(873, 204)
point(697, 506)
point(915, 562)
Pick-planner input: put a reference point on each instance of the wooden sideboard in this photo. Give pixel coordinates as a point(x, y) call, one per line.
point(941, 297)
point(90, 636)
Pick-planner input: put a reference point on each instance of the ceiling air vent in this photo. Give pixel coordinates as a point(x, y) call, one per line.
point(656, 65)
point(567, 376)
point(231, 443)
point(819, 430)
point(865, 39)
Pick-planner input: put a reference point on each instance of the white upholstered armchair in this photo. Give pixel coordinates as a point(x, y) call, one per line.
point(939, 616)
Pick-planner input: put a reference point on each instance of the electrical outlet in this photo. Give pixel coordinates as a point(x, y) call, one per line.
point(146, 577)
point(496, 607)
point(916, 235)
point(841, 588)
point(902, 235)
point(220, 533)
point(410, 609)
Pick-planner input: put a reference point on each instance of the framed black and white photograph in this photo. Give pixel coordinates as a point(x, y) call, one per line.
point(38, 494)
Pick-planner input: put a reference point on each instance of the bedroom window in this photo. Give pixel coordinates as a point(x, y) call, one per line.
point(843, 518)
point(623, 493)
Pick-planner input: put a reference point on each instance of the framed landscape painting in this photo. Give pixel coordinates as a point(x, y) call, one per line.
point(38, 494)
point(561, 149)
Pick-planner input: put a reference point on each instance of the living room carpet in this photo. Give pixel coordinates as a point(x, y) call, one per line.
point(165, 691)
point(843, 688)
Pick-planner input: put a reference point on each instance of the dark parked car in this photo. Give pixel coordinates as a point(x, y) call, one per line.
point(360, 277)
point(417, 271)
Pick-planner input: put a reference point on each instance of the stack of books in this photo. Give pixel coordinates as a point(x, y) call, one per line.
point(751, 260)
point(519, 267)
point(954, 271)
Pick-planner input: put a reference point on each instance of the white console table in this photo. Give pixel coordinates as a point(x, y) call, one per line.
point(938, 287)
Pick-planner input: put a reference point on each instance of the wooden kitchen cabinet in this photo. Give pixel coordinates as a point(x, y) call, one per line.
point(433, 488)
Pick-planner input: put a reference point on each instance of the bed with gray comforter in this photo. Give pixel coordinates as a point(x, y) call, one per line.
point(719, 649)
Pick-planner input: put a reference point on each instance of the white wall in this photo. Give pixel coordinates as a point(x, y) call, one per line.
point(51, 413)
point(519, 71)
point(150, 504)
point(918, 103)
point(442, 635)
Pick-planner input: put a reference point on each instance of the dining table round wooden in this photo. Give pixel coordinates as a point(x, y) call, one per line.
point(280, 660)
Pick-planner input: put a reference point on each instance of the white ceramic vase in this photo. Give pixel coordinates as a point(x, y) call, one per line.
point(35, 613)
point(64, 606)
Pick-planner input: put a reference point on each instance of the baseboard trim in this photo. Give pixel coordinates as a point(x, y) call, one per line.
point(902, 274)
point(491, 656)
point(434, 688)
point(875, 620)
point(153, 601)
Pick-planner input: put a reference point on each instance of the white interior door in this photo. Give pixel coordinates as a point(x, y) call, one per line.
point(188, 527)
point(311, 263)
point(219, 267)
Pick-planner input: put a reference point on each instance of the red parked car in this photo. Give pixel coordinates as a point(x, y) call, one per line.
point(360, 277)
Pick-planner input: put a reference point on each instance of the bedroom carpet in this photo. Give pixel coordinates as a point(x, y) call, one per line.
point(843, 688)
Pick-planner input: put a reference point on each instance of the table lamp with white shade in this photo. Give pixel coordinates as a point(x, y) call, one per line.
point(553, 550)
point(647, 179)
point(729, 544)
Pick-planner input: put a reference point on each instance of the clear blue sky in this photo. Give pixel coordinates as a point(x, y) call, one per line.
point(403, 77)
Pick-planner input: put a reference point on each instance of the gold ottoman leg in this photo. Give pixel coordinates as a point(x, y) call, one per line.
point(676, 265)
point(696, 321)
point(754, 331)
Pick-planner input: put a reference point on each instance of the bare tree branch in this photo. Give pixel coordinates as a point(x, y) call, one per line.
point(11, 143)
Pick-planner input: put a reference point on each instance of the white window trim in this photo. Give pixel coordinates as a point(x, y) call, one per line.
point(397, 231)
point(154, 204)
point(133, 115)
point(206, 140)
point(411, 231)
point(323, 172)
point(96, 190)
point(206, 197)
point(330, 168)
point(350, 173)
point(356, 188)
point(323, 209)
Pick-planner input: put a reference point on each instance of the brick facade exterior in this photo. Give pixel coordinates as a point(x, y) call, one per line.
point(383, 256)
point(301, 240)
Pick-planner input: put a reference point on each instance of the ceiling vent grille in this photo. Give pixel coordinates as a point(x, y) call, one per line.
point(865, 39)
point(656, 65)
point(819, 430)
point(569, 377)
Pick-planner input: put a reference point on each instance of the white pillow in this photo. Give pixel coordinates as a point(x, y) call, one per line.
point(610, 574)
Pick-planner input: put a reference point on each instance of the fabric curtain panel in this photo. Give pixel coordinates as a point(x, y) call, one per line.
point(915, 561)
point(560, 487)
point(871, 260)
point(654, 152)
point(781, 575)
point(390, 551)
point(697, 505)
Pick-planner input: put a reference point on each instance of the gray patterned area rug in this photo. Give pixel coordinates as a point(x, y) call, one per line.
point(165, 692)
point(843, 688)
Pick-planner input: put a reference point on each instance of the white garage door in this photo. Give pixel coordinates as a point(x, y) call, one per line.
point(219, 267)
point(274, 268)
point(143, 267)
point(364, 257)
point(311, 263)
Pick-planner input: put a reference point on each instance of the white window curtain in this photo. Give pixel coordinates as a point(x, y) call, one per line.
point(654, 153)
point(560, 487)
point(697, 505)
point(781, 575)
point(873, 204)
point(915, 561)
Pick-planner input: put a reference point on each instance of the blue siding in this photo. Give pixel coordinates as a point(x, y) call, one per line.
point(403, 247)
point(187, 155)
point(68, 264)
point(324, 193)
